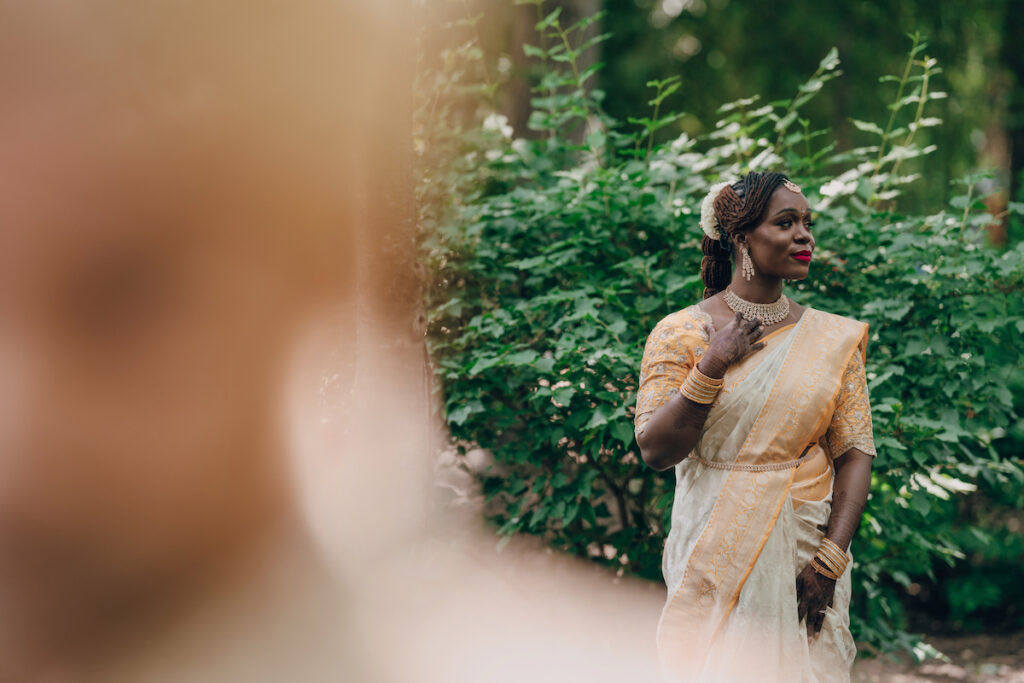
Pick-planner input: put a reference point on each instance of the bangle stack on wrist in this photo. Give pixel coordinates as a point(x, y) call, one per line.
point(700, 388)
point(830, 560)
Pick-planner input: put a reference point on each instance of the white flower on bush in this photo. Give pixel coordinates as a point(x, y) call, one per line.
point(681, 143)
point(838, 188)
point(498, 122)
point(766, 158)
point(843, 184)
point(522, 147)
point(661, 169)
point(703, 164)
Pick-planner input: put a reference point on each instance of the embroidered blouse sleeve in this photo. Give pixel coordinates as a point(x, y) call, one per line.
point(673, 347)
point(851, 421)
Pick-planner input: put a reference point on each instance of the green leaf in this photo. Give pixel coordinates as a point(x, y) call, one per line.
point(549, 20)
point(868, 127)
point(597, 419)
point(482, 364)
point(563, 395)
point(533, 51)
point(623, 431)
point(526, 357)
point(461, 413)
point(921, 502)
point(830, 61)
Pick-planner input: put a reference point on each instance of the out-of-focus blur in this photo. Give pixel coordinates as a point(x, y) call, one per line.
point(215, 432)
point(179, 189)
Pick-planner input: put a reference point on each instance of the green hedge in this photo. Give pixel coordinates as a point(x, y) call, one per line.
point(553, 256)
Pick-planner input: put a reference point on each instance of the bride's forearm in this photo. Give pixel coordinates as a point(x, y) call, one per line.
point(672, 432)
point(850, 494)
point(673, 429)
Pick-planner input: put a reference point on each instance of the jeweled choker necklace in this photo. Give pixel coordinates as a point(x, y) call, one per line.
point(777, 311)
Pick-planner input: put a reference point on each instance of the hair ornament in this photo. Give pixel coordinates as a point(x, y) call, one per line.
point(791, 186)
point(708, 219)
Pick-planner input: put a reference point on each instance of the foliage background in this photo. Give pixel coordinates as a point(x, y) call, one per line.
point(554, 253)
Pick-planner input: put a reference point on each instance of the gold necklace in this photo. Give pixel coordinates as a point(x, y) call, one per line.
point(777, 311)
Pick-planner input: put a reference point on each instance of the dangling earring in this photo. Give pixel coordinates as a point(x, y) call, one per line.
point(748, 265)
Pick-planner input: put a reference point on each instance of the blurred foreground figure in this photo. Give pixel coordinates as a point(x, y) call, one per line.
point(175, 193)
point(206, 285)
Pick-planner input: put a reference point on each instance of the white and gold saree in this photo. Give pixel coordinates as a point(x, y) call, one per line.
point(739, 537)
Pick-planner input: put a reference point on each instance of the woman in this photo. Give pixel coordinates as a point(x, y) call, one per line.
point(760, 405)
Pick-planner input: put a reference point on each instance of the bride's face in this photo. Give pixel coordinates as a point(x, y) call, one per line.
point(781, 245)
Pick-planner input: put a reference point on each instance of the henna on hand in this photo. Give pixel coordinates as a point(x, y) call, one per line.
point(850, 492)
point(814, 593)
point(673, 430)
point(733, 342)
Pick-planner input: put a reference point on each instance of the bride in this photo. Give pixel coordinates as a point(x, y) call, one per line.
point(761, 406)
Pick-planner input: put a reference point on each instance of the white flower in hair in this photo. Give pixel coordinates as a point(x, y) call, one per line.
point(708, 220)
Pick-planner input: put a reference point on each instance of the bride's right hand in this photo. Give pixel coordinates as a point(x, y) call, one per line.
point(731, 343)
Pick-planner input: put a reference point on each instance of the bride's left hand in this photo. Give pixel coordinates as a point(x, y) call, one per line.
point(814, 593)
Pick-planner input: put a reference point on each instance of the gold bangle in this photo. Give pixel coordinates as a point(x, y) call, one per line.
point(825, 540)
point(839, 557)
point(700, 390)
point(830, 565)
point(693, 384)
point(828, 557)
point(824, 571)
point(704, 379)
point(838, 562)
point(830, 552)
point(697, 393)
point(696, 398)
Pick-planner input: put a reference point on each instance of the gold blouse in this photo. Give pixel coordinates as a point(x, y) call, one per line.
point(679, 341)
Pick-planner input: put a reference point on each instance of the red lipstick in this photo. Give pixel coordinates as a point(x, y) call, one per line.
point(804, 256)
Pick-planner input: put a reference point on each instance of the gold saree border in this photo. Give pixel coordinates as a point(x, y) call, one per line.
point(749, 503)
point(812, 480)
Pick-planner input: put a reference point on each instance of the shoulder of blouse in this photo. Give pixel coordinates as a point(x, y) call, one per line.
point(686, 321)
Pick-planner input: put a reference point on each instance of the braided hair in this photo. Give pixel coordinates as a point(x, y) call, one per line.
point(739, 207)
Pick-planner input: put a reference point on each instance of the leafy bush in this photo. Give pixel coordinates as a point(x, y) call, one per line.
point(554, 256)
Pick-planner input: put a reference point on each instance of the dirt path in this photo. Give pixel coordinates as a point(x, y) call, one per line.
point(972, 659)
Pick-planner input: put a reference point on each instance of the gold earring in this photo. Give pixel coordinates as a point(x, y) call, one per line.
point(748, 265)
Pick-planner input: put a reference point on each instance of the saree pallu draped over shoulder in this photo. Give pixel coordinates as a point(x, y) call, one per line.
point(726, 531)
